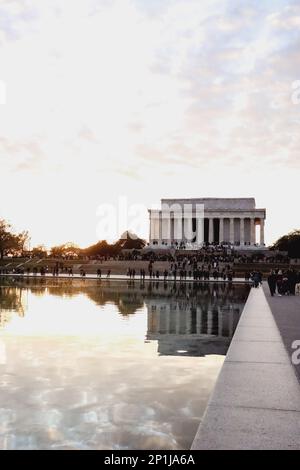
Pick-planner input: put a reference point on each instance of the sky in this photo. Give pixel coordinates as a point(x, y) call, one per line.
point(115, 104)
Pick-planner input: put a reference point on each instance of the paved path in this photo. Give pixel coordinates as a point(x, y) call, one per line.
point(256, 401)
point(286, 312)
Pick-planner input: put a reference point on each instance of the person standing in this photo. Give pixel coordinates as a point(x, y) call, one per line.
point(272, 281)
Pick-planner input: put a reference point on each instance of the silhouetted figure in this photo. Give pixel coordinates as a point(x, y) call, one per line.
point(272, 278)
point(256, 279)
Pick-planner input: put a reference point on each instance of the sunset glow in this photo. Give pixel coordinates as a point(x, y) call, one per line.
point(145, 99)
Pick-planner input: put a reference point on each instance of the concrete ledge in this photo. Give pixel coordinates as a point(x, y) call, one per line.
point(124, 277)
point(256, 400)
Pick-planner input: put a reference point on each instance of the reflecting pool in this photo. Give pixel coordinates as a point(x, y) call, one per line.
point(110, 365)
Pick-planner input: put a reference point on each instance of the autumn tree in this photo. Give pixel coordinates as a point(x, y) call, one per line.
point(71, 250)
point(39, 251)
point(66, 250)
point(102, 248)
point(11, 243)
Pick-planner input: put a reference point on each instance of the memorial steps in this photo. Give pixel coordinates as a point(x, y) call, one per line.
point(241, 268)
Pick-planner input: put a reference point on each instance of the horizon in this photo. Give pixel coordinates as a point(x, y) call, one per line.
point(112, 241)
point(104, 100)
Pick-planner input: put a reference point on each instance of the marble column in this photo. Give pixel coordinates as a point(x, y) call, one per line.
point(210, 230)
point(188, 229)
point(178, 228)
point(160, 229)
point(262, 231)
point(221, 231)
point(252, 231)
point(200, 231)
point(166, 227)
point(150, 228)
point(242, 231)
point(231, 231)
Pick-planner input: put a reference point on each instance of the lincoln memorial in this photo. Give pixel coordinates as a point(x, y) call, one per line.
point(194, 222)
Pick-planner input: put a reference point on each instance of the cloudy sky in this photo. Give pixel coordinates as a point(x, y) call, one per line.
point(144, 99)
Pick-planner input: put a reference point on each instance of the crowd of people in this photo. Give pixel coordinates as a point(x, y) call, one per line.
point(185, 269)
point(261, 258)
point(281, 282)
point(206, 254)
point(208, 263)
point(99, 273)
point(284, 282)
point(55, 270)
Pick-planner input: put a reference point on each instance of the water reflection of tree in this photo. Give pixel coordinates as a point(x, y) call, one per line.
point(130, 296)
point(11, 301)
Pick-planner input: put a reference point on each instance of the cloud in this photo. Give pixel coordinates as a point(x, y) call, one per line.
point(20, 155)
point(133, 89)
point(287, 19)
point(136, 72)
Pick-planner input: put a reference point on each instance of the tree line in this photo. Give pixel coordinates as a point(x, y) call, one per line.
point(11, 243)
point(290, 243)
point(101, 248)
point(14, 244)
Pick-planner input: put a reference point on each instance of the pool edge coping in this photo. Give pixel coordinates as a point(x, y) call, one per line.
point(241, 417)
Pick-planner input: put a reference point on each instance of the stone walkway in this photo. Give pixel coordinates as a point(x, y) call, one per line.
point(286, 312)
point(256, 400)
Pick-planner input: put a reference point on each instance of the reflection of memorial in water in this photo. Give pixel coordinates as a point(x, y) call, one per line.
point(195, 326)
point(193, 319)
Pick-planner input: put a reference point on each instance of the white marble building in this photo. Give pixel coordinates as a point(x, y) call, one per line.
point(193, 222)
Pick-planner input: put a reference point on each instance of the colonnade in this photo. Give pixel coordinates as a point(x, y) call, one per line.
point(221, 230)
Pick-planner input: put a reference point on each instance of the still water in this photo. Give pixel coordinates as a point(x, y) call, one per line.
point(111, 365)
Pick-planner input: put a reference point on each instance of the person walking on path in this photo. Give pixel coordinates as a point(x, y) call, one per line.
point(272, 281)
point(256, 279)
